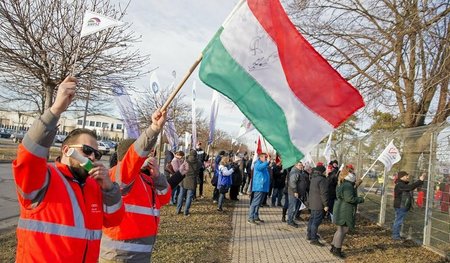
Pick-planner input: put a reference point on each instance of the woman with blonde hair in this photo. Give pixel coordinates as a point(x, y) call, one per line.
point(344, 210)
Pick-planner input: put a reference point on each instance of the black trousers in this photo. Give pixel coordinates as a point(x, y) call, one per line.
point(234, 192)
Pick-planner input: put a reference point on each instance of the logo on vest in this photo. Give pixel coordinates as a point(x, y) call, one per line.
point(95, 208)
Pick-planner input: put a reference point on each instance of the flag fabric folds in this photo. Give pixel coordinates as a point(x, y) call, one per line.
point(262, 63)
point(94, 22)
point(126, 110)
point(390, 156)
point(258, 151)
point(213, 116)
point(171, 134)
point(154, 82)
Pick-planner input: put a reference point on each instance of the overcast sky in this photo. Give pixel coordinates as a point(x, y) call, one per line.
point(174, 33)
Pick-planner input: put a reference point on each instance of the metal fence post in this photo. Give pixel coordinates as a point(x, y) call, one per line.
point(382, 218)
point(429, 198)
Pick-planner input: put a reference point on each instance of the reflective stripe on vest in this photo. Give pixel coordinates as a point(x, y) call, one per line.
point(77, 231)
point(120, 245)
point(58, 229)
point(162, 192)
point(141, 210)
point(112, 208)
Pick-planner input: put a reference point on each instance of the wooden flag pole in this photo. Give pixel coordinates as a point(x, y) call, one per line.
point(178, 88)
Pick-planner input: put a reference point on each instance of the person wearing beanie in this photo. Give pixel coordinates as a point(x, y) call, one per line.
point(144, 191)
point(318, 202)
point(403, 199)
point(345, 208)
point(332, 177)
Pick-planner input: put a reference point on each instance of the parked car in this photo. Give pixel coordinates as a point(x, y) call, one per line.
point(103, 147)
point(5, 133)
point(17, 136)
point(112, 144)
point(60, 138)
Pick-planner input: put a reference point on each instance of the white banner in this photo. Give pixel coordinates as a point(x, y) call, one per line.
point(390, 156)
point(213, 116)
point(171, 134)
point(126, 110)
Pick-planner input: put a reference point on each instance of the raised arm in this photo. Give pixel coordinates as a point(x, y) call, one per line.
point(30, 167)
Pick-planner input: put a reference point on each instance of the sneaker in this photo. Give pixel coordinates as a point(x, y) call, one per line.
point(220, 209)
point(293, 224)
point(252, 222)
point(214, 202)
point(316, 243)
point(188, 214)
point(259, 220)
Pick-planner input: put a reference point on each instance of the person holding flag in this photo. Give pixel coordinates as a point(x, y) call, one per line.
point(344, 210)
point(260, 187)
point(64, 205)
point(403, 200)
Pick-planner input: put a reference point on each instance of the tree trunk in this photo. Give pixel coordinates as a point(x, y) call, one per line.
point(49, 90)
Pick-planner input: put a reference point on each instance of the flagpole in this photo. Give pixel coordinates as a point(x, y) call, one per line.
point(77, 51)
point(369, 169)
point(178, 88)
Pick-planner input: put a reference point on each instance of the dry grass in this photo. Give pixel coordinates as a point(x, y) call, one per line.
point(10, 153)
point(370, 243)
point(204, 236)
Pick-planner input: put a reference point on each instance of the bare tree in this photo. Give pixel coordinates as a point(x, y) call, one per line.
point(397, 52)
point(38, 42)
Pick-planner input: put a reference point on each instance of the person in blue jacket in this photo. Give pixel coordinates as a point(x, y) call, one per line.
point(260, 187)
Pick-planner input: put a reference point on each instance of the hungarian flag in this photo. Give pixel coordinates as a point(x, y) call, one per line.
point(290, 93)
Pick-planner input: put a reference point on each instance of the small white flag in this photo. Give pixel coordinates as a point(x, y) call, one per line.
point(302, 206)
point(245, 128)
point(390, 156)
point(327, 150)
point(187, 141)
point(93, 22)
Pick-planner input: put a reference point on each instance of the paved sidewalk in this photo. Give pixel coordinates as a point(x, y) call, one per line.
point(272, 241)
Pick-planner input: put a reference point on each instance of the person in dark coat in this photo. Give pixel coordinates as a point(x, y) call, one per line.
point(318, 202)
point(345, 208)
point(298, 188)
point(332, 178)
point(189, 183)
point(279, 179)
point(202, 158)
point(403, 199)
point(236, 179)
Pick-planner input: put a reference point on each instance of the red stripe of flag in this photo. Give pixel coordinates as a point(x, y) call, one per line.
point(315, 83)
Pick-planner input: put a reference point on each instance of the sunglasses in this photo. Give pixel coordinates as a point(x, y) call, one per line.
point(88, 150)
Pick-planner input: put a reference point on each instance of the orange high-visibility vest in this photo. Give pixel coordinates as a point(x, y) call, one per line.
point(65, 225)
point(133, 239)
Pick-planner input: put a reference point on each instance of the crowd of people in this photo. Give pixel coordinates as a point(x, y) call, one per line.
point(78, 210)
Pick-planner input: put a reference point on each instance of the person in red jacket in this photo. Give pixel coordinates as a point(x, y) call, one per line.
point(144, 191)
point(63, 207)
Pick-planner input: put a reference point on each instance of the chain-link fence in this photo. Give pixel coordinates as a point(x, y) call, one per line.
point(423, 150)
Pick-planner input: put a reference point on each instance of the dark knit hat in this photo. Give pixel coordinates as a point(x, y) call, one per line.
point(320, 168)
point(123, 148)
